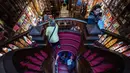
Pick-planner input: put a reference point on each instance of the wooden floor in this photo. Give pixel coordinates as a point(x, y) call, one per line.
point(64, 12)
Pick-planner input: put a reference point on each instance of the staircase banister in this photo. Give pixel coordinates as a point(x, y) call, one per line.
point(9, 62)
point(64, 19)
point(14, 38)
point(74, 32)
point(124, 60)
point(127, 40)
point(16, 56)
point(70, 19)
point(81, 63)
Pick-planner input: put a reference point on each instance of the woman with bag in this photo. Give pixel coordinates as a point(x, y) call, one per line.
point(52, 33)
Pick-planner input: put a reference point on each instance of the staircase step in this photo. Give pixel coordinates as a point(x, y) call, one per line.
point(89, 27)
point(90, 40)
point(62, 67)
point(93, 29)
point(88, 43)
point(37, 38)
point(41, 45)
point(34, 32)
point(93, 38)
point(39, 28)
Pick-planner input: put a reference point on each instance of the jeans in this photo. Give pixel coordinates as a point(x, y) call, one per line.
point(55, 44)
point(71, 67)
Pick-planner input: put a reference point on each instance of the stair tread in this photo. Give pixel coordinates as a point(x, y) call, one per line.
point(34, 31)
point(39, 28)
point(38, 38)
point(92, 38)
point(62, 67)
point(93, 29)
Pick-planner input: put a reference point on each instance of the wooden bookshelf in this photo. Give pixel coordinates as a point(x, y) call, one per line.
point(120, 10)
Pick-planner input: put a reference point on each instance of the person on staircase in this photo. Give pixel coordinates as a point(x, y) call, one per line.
point(101, 23)
point(52, 33)
point(66, 58)
point(62, 57)
point(70, 64)
point(75, 27)
point(93, 16)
